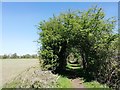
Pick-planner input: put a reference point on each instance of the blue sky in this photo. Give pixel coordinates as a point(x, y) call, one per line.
point(19, 20)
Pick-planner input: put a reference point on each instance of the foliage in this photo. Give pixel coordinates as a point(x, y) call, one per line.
point(87, 33)
point(4, 56)
point(14, 55)
point(110, 70)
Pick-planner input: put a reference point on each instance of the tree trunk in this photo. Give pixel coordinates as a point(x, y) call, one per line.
point(83, 61)
point(62, 58)
point(86, 59)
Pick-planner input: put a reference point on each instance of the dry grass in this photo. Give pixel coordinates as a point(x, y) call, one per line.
point(33, 77)
point(13, 67)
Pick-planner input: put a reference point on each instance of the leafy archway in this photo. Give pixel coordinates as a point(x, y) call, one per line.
point(88, 32)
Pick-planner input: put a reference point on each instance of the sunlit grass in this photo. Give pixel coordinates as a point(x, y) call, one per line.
point(63, 82)
point(73, 66)
point(94, 84)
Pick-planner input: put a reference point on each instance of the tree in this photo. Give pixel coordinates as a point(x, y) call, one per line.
point(5, 56)
point(14, 55)
point(87, 33)
point(34, 56)
point(27, 56)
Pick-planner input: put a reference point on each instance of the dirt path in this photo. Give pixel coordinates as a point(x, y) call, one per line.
point(77, 83)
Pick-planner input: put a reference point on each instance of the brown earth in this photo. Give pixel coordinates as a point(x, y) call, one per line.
point(77, 83)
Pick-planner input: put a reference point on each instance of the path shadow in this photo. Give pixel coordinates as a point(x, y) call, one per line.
point(76, 73)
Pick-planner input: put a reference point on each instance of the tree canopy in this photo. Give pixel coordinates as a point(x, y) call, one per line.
point(87, 33)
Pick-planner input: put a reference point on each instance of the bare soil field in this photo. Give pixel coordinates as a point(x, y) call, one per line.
point(13, 67)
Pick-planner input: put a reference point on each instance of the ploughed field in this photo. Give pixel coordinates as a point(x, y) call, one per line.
point(13, 67)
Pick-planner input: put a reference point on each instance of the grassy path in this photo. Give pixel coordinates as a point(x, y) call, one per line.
point(64, 82)
point(70, 78)
point(77, 83)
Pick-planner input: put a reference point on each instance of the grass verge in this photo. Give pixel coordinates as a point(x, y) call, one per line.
point(94, 84)
point(63, 82)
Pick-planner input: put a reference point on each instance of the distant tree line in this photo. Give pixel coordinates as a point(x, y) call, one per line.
point(14, 55)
